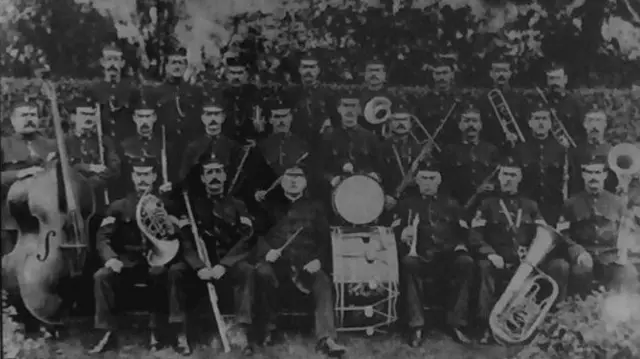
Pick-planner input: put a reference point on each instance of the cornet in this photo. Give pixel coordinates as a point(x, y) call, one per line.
point(504, 115)
point(413, 252)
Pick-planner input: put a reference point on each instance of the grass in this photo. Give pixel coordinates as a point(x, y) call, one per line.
point(133, 345)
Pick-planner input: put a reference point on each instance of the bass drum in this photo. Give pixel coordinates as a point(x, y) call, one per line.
point(366, 278)
point(358, 199)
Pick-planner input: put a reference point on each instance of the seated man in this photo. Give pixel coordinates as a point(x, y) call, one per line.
point(437, 220)
point(592, 220)
point(225, 226)
point(295, 248)
point(501, 233)
point(124, 250)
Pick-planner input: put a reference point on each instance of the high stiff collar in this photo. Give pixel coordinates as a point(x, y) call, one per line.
point(400, 139)
point(145, 138)
point(176, 81)
point(472, 142)
point(28, 136)
point(595, 194)
point(541, 140)
point(293, 199)
point(595, 141)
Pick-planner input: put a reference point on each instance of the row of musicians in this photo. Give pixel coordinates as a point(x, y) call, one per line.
point(484, 250)
point(341, 149)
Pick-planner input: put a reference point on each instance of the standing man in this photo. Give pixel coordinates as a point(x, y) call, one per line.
point(123, 250)
point(375, 79)
point(500, 75)
point(440, 246)
point(303, 260)
point(545, 171)
point(226, 228)
point(177, 101)
point(501, 232)
point(471, 162)
point(114, 95)
point(566, 105)
point(592, 220)
point(241, 99)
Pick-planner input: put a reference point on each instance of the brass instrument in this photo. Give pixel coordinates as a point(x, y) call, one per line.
point(413, 251)
point(163, 154)
point(236, 177)
point(101, 147)
point(258, 121)
point(427, 147)
point(504, 115)
point(204, 256)
point(558, 130)
point(418, 132)
point(377, 110)
point(158, 229)
point(529, 296)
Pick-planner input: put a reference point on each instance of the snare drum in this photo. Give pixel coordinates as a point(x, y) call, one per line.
point(358, 199)
point(365, 277)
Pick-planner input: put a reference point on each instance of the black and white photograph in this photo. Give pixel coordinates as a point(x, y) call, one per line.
point(292, 179)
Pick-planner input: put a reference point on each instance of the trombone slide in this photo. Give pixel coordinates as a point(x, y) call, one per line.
point(504, 115)
point(165, 169)
point(101, 147)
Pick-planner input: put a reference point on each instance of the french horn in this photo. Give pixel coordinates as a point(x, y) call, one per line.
point(158, 229)
point(529, 295)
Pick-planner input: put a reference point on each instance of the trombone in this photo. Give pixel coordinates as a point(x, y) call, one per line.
point(558, 130)
point(504, 115)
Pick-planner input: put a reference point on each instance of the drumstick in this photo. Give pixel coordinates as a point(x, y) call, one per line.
point(289, 240)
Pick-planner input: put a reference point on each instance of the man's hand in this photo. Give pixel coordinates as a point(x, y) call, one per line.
point(374, 176)
point(165, 187)
point(205, 274)
point(218, 271)
point(486, 187)
point(27, 172)
point(114, 264)
point(512, 137)
point(260, 195)
point(97, 168)
point(347, 168)
point(497, 260)
point(51, 156)
point(407, 235)
point(312, 266)
point(272, 255)
point(585, 260)
point(335, 180)
point(389, 202)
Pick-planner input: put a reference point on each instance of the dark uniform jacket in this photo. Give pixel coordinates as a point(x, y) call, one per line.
point(356, 145)
point(570, 112)
point(225, 226)
point(466, 166)
point(84, 151)
point(593, 224)
point(432, 111)
point(543, 164)
point(491, 232)
point(115, 100)
point(398, 154)
point(240, 103)
point(441, 227)
point(282, 150)
point(138, 146)
point(178, 112)
point(313, 242)
point(120, 237)
point(311, 110)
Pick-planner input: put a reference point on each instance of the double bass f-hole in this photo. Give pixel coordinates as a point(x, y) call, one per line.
point(47, 246)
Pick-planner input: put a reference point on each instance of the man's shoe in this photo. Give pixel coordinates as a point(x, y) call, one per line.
point(487, 337)
point(183, 347)
point(415, 337)
point(329, 347)
point(107, 342)
point(248, 350)
point(154, 343)
point(271, 338)
point(460, 336)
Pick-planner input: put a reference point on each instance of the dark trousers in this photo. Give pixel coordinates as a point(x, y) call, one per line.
point(268, 279)
point(164, 282)
point(453, 273)
point(241, 277)
point(613, 276)
point(493, 282)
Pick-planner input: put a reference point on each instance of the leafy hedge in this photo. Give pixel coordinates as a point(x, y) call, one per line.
point(620, 105)
point(604, 325)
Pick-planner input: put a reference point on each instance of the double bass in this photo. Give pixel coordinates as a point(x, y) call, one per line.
point(51, 209)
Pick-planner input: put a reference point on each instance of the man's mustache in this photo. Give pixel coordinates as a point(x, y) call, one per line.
point(145, 128)
point(593, 181)
point(472, 128)
point(143, 184)
point(112, 68)
point(502, 78)
point(214, 182)
point(30, 124)
point(401, 127)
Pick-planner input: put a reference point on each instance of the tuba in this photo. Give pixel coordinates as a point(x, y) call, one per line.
point(529, 295)
point(504, 115)
point(158, 229)
point(377, 110)
point(624, 160)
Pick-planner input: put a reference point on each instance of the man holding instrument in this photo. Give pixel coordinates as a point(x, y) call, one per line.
point(151, 142)
point(565, 104)
point(101, 166)
point(296, 248)
point(544, 164)
point(123, 249)
point(501, 232)
point(440, 246)
point(471, 162)
point(226, 228)
point(592, 220)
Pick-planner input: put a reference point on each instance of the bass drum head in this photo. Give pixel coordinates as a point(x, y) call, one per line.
point(359, 199)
